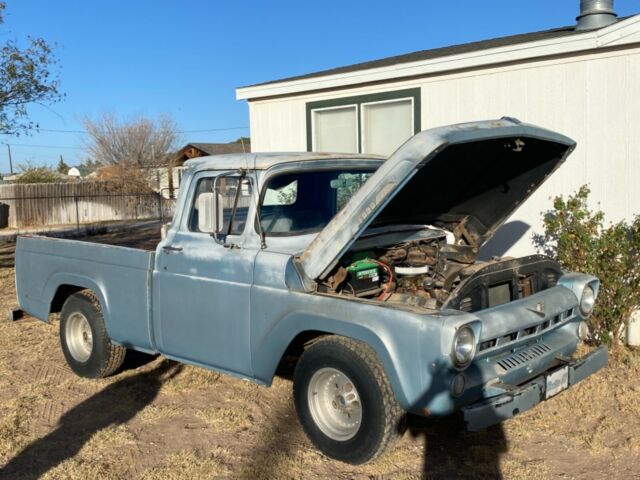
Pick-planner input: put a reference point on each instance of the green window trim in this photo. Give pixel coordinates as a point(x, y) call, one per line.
point(358, 100)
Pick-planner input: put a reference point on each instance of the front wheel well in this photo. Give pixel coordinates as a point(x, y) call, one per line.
point(296, 347)
point(62, 293)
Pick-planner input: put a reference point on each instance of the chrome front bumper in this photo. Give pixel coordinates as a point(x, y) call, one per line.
point(517, 399)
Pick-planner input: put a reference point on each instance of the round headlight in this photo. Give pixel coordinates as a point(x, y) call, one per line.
point(588, 301)
point(464, 347)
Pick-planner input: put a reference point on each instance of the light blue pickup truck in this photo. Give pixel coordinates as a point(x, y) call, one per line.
point(364, 269)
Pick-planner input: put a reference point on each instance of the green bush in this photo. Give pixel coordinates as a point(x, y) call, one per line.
point(39, 175)
point(579, 240)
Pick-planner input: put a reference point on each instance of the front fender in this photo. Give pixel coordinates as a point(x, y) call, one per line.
point(290, 327)
point(398, 353)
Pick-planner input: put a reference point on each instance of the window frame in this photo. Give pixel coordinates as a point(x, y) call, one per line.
point(336, 107)
point(381, 102)
point(207, 175)
point(412, 93)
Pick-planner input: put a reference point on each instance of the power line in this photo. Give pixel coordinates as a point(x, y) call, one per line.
point(84, 132)
point(43, 146)
point(51, 130)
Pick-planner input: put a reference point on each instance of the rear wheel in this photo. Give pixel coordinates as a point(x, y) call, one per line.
point(85, 344)
point(344, 400)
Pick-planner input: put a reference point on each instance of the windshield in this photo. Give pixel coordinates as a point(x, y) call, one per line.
point(304, 202)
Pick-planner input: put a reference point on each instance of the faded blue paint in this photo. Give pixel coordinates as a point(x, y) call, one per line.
point(237, 309)
point(118, 275)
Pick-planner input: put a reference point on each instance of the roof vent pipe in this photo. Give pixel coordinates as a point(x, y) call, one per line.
point(595, 14)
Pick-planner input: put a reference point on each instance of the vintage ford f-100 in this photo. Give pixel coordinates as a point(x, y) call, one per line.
point(364, 269)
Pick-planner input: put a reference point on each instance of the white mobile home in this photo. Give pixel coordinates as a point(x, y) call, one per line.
point(582, 80)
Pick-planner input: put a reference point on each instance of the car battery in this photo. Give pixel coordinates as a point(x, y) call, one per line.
point(364, 277)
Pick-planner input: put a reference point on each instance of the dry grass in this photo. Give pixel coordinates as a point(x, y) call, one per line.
point(268, 465)
point(112, 436)
point(14, 429)
point(226, 418)
point(157, 413)
point(524, 470)
point(191, 464)
point(191, 378)
point(79, 469)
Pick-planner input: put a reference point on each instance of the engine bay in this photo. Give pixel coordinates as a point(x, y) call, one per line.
point(438, 273)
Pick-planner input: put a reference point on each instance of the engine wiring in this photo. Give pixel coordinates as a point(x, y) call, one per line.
point(386, 293)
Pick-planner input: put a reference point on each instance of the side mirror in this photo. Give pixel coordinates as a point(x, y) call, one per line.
point(210, 212)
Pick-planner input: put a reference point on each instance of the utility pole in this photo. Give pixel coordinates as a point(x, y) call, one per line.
point(10, 162)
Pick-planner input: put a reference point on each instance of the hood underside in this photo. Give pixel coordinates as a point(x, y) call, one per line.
point(467, 179)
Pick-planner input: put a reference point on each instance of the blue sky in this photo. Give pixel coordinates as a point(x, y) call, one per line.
point(186, 58)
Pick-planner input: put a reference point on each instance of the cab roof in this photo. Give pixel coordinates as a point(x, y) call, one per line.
point(263, 161)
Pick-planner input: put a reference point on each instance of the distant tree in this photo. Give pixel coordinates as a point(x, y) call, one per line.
point(62, 167)
point(137, 142)
point(245, 140)
point(130, 147)
point(25, 78)
point(88, 166)
point(30, 173)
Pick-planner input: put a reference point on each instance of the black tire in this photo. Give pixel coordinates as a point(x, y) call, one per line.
point(97, 357)
point(382, 418)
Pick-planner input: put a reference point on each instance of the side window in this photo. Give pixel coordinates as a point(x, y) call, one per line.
point(228, 187)
point(285, 194)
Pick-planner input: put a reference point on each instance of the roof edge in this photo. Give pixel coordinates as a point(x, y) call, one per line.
point(575, 42)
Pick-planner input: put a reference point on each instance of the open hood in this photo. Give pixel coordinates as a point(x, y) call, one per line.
point(466, 178)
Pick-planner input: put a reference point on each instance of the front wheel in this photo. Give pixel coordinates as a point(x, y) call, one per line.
point(344, 400)
point(85, 343)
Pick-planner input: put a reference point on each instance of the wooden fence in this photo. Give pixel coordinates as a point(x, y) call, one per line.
point(46, 204)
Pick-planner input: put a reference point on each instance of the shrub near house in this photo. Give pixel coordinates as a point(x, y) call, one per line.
point(579, 239)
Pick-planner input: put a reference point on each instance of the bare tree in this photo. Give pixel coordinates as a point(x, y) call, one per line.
point(128, 149)
point(137, 142)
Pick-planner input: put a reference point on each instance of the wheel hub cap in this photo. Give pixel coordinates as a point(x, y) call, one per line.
point(79, 337)
point(334, 404)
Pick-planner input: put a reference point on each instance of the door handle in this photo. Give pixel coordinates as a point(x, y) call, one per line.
point(169, 248)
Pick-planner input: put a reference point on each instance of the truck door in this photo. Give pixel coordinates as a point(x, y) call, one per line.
point(202, 287)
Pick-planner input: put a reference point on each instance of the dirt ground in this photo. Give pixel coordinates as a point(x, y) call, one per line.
point(157, 419)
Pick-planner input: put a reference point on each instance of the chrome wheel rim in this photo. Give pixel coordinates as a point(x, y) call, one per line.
point(79, 337)
point(334, 404)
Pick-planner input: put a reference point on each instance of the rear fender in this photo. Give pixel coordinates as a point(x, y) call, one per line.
point(59, 279)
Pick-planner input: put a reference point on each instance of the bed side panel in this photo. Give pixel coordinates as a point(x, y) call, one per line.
point(119, 276)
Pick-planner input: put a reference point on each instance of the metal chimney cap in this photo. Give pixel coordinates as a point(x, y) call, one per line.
point(595, 14)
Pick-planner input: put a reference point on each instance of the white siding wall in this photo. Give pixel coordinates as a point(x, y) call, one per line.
point(594, 99)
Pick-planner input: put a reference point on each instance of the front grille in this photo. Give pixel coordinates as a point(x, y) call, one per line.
point(520, 358)
point(525, 332)
point(551, 278)
point(466, 304)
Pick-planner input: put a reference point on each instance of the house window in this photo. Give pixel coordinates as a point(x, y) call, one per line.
point(376, 123)
point(335, 129)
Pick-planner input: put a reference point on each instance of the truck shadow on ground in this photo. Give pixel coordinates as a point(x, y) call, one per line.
point(451, 452)
point(114, 405)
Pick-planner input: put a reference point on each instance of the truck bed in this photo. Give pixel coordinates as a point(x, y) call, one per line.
point(143, 238)
point(120, 276)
